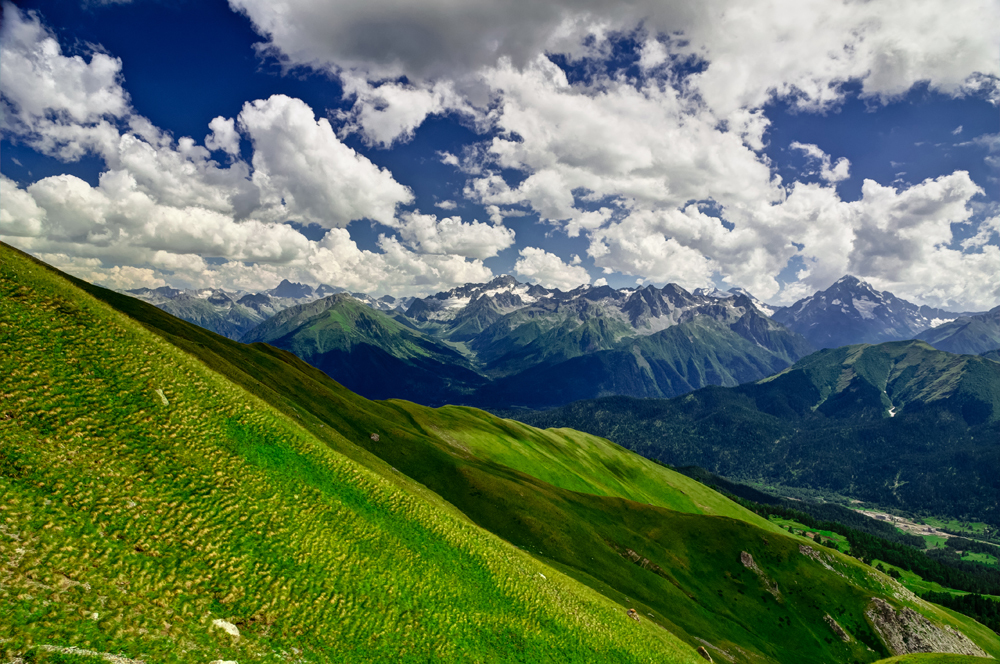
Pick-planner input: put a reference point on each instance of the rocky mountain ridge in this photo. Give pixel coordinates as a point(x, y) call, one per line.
point(973, 333)
point(851, 311)
point(535, 346)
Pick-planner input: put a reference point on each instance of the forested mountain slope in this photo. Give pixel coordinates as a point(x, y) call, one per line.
point(896, 424)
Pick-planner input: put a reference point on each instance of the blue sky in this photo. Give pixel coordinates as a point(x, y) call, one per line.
point(410, 147)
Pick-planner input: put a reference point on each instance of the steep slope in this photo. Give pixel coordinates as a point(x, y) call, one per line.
point(969, 334)
point(636, 532)
point(897, 424)
point(146, 498)
point(852, 312)
point(368, 351)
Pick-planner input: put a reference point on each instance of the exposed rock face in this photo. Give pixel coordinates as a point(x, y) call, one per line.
point(852, 312)
point(809, 551)
point(823, 559)
point(837, 629)
point(227, 627)
point(907, 632)
point(80, 652)
point(750, 564)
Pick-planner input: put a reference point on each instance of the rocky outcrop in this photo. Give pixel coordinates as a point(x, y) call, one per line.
point(837, 629)
point(749, 563)
point(823, 559)
point(769, 583)
point(227, 627)
point(907, 632)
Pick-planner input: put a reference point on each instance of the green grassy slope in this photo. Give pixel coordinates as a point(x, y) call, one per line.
point(894, 424)
point(572, 460)
point(145, 496)
point(638, 533)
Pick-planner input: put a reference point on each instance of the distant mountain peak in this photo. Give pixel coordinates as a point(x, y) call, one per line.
point(852, 311)
point(851, 282)
point(713, 293)
point(291, 290)
point(503, 280)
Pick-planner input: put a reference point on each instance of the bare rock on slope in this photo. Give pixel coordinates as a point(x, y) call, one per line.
point(837, 629)
point(907, 632)
point(769, 583)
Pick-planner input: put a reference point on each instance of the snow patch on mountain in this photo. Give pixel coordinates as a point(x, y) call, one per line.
point(865, 307)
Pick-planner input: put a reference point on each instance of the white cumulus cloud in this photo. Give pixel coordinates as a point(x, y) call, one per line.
point(541, 267)
point(61, 105)
point(427, 234)
point(224, 136)
point(305, 172)
point(828, 171)
point(887, 46)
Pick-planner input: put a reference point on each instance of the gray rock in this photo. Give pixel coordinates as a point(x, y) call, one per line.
point(907, 632)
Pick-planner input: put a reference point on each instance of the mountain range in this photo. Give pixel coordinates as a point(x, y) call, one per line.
point(509, 344)
point(897, 424)
point(515, 344)
point(368, 351)
point(171, 495)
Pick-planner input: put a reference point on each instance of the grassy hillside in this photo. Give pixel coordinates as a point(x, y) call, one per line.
point(347, 539)
point(146, 496)
point(894, 424)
